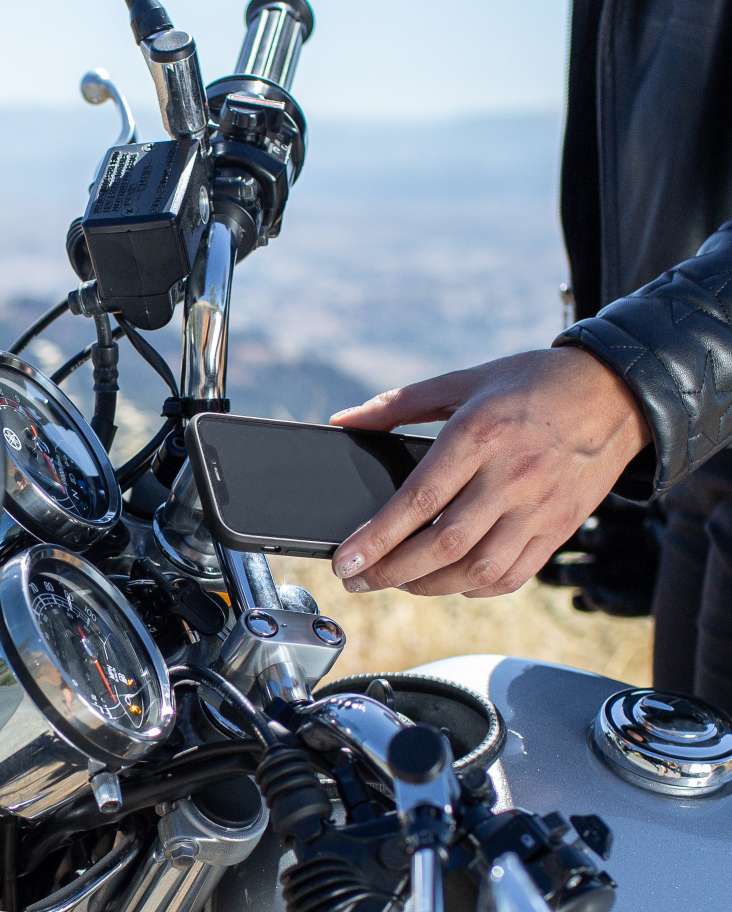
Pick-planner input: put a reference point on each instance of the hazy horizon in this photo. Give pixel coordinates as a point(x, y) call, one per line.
point(386, 60)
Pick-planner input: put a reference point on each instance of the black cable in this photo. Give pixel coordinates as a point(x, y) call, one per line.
point(72, 894)
point(181, 675)
point(9, 860)
point(105, 358)
point(79, 359)
point(151, 355)
point(128, 473)
point(36, 328)
point(132, 470)
point(135, 467)
point(205, 752)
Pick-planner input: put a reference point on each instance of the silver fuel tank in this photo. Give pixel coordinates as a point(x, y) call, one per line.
point(670, 854)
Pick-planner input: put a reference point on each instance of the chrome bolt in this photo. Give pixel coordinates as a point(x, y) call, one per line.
point(204, 205)
point(261, 624)
point(182, 854)
point(107, 792)
point(328, 631)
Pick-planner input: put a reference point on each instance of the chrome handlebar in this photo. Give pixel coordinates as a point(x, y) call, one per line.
point(275, 33)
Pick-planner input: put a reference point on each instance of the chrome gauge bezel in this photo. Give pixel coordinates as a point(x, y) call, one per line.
point(32, 660)
point(32, 508)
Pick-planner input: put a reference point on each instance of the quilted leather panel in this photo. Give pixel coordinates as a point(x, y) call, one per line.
point(671, 341)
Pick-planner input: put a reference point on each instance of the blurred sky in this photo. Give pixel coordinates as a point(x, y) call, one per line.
point(418, 59)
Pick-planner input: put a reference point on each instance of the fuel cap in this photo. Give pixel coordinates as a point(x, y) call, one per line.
point(665, 742)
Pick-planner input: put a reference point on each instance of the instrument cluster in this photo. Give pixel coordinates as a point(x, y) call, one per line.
point(83, 685)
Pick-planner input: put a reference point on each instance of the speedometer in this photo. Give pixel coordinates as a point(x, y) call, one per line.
point(60, 485)
point(96, 652)
point(85, 674)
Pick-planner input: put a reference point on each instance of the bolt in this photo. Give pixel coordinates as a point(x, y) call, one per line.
point(107, 792)
point(327, 631)
point(85, 301)
point(261, 624)
point(204, 205)
point(182, 854)
point(248, 188)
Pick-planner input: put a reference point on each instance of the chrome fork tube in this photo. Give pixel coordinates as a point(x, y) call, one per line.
point(276, 31)
point(206, 316)
point(179, 525)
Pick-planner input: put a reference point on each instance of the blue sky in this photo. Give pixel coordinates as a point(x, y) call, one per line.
point(416, 59)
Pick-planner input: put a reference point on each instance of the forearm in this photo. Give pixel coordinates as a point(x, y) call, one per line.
point(671, 342)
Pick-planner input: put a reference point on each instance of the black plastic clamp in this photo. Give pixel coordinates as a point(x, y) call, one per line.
point(185, 408)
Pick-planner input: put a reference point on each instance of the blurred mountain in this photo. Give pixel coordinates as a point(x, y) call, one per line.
point(406, 251)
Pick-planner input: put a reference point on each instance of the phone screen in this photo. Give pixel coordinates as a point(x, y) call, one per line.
point(290, 481)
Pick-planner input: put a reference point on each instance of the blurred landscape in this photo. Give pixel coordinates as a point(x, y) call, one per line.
point(407, 250)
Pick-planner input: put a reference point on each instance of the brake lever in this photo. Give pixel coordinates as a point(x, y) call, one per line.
point(97, 88)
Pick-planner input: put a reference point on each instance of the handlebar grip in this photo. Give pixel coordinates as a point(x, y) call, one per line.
point(276, 31)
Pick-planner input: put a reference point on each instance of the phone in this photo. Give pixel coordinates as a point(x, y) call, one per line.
point(287, 488)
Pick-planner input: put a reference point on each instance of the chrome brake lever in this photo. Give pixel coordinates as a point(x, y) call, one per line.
point(97, 88)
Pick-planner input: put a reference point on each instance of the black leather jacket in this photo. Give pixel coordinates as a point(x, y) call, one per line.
point(646, 179)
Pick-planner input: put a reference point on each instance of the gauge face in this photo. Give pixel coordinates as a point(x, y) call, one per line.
point(38, 439)
point(59, 481)
point(101, 659)
point(83, 656)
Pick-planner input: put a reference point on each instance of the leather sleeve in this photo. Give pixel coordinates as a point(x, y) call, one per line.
point(671, 341)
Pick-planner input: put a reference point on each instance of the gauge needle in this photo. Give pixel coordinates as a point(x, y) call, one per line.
point(46, 458)
point(96, 662)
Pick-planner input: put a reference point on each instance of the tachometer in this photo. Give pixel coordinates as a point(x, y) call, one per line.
point(88, 681)
point(59, 483)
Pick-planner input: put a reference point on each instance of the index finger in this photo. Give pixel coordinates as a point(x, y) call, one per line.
point(440, 476)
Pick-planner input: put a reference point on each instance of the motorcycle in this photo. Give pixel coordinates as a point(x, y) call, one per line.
point(165, 741)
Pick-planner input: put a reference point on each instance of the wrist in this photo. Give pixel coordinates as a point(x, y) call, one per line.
point(617, 407)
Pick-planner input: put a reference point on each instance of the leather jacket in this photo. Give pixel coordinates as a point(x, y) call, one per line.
point(646, 180)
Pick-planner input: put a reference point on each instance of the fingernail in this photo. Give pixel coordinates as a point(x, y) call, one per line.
point(356, 584)
point(350, 566)
point(340, 414)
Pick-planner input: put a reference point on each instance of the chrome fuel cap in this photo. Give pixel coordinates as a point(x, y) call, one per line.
point(665, 742)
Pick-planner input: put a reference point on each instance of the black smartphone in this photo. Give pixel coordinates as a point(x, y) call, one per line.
point(287, 488)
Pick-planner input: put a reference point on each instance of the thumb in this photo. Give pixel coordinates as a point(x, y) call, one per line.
point(430, 400)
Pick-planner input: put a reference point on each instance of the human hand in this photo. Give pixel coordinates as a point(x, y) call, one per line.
point(531, 446)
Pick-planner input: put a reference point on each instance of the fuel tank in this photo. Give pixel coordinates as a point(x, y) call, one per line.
point(670, 854)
